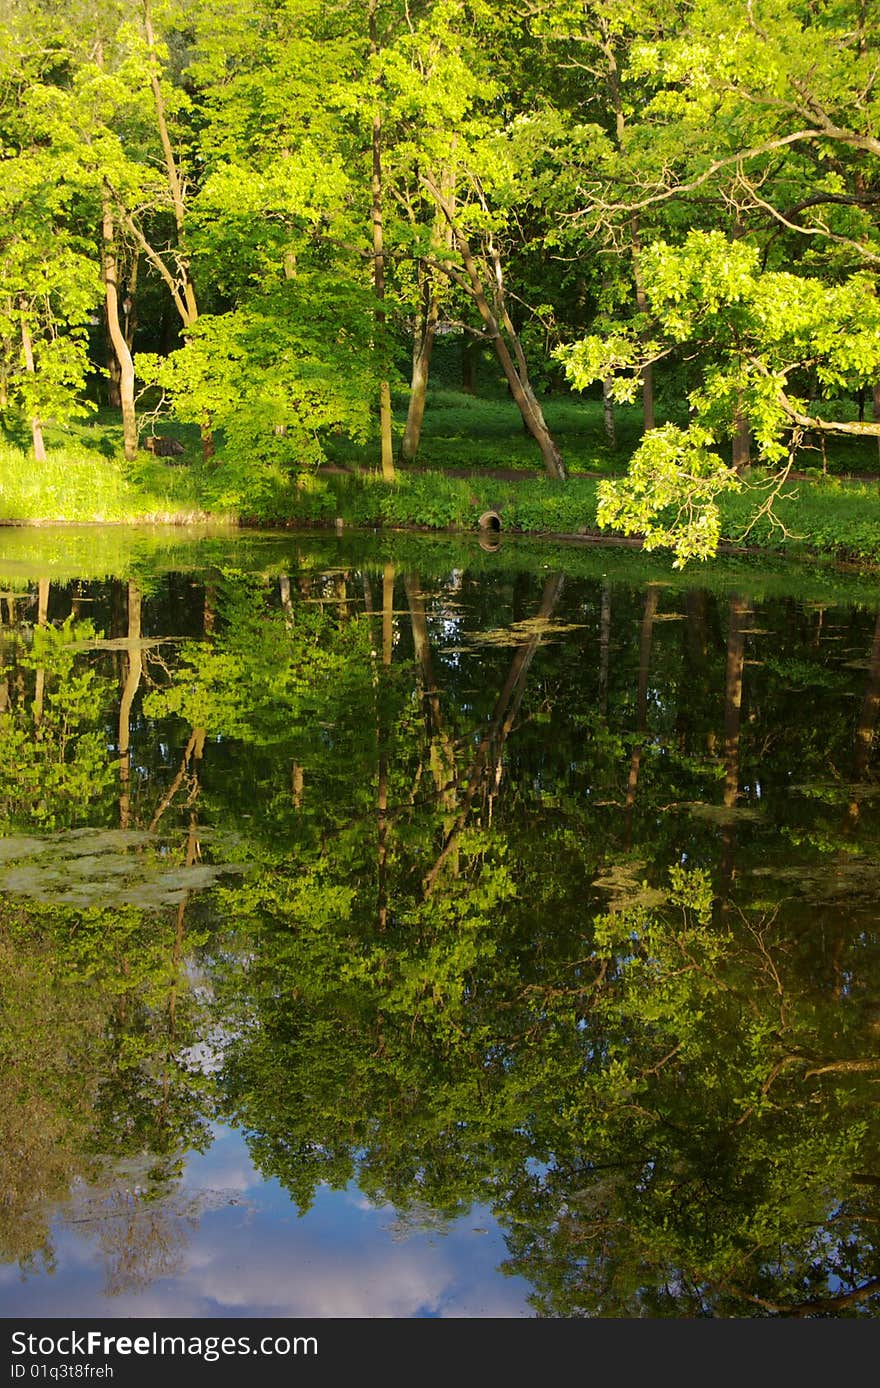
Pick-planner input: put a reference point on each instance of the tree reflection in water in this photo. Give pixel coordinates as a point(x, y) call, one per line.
point(553, 893)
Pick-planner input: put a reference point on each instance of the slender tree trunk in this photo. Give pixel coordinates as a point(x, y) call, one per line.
point(733, 683)
point(7, 357)
point(742, 442)
point(183, 292)
point(30, 367)
point(42, 619)
point(427, 329)
point(613, 78)
point(608, 414)
point(470, 348)
point(117, 337)
point(652, 596)
point(501, 333)
point(129, 322)
point(642, 306)
point(134, 672)
point(520, 387)
point(415, 414)
point(172, 173)
point(387, 448)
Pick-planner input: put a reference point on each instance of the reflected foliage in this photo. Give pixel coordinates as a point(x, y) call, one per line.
point(552, 893)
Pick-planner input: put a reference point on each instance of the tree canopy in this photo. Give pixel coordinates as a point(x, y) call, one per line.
point(264, 219)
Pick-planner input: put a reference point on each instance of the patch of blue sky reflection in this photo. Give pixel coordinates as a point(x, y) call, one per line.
point(234, 1246)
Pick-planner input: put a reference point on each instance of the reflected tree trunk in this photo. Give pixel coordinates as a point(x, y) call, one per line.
point(485, 769)
point(189, 771)
point(652, 597)
point(382, 739)
point(286, 601)
point(866, 728)
point(386, 444)
point(40, 680)
point(739, 614)
point(134, 672)
point(604, 646)
point(442, 756)
point(695, 648)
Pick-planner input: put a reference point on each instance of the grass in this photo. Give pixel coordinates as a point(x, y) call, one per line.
point(465, 433)
point(827, 515)
point(475, 457)
point(86, 479)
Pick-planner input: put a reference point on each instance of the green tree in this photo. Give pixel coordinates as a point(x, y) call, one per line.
point(758, 334)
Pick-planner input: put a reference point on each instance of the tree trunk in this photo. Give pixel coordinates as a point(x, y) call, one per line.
point(642, 306)
point(733, 682)
point(30, 367)
point(742, 442)
point(183, 291)
point(608, 414)
point(117, 336)
point(470, 349)
point(135, 664)
point(876, 404)
point(415, 414)
point(501, 332)
point(426, 330)
point(612, 74)
point(387, 449)
point(114, 394)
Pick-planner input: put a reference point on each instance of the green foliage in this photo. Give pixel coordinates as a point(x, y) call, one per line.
point(53, 760)
point(273, 379)
point(670, 495)
point(754, 330)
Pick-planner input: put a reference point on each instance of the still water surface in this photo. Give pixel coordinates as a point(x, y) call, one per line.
point(396, 929)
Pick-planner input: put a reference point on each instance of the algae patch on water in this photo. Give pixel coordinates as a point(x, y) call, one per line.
point(84, 868)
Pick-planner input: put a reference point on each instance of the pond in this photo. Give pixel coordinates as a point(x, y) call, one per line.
point(407, 927)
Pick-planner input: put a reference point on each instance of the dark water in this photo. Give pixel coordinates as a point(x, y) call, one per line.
point(415, 930)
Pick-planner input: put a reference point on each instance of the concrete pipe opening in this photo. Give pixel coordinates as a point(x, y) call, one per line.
point(490, 521)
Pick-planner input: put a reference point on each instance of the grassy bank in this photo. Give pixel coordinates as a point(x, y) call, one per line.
point(480, 461)
point(81, 484)
point(823, 516)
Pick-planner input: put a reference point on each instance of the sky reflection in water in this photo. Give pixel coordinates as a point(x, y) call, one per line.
point(252, 1255)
